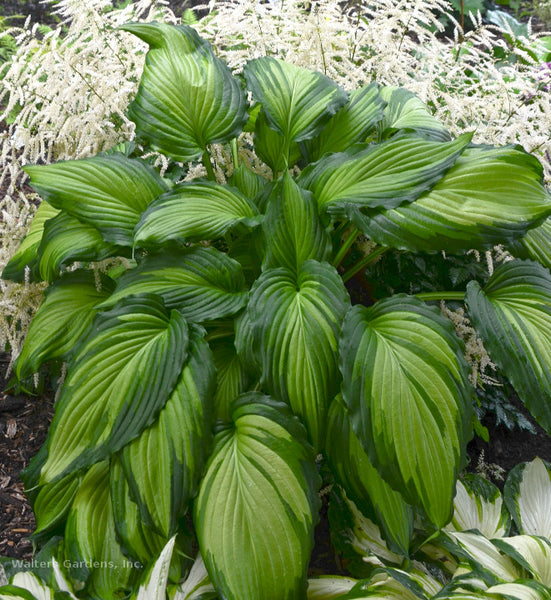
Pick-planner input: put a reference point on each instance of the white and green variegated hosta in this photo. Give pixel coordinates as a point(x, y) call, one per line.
point(211, 347)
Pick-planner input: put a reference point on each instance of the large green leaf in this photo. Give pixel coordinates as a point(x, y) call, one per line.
point(202, 283)
point(512, 315)
point(67, 240)
point(295, 323)
point(292, 227)
point(271, 146)
point(163, 465)
point(27, 253)
point(117, 383)
point(382, 175)
point(297, 101)
point(490, 196)
point(257, 505)
point(187, 97)
point(362, 482)
point(93, 553)
point(64, 317)
point(351, 124)
point(405, 110)
point(537, 243)
point(107, 192)
point(194, 211)
point(527, 494)
point(407, 391)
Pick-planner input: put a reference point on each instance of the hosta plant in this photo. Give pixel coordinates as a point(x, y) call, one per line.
point(211, 347)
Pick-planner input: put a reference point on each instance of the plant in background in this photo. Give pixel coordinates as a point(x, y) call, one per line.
point(219, 297)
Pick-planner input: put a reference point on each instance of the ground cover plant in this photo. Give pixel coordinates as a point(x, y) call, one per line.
point(202, 293)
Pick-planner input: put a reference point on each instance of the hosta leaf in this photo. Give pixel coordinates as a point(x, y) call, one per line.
point(520, 590)
point(537, 243)
point(478, 504)
point(295, 322)
point(67, 240)
point(26, 586)
point(154, 585)
point(484, 556)
point(351, 124)
point(531, 552)
point(271, 146)
point(107, 192)
point(297, 101)
point(512, 315)
point(53, 502)
point(93, 553)
point(194, 211)
point(170, 454)
point(292, 227)
point(27, 253)
point(256, 508)
point(63, 318)
point(327, 587)
point(202, 283)
point(187, 97)
point(405, 110)
point(527, 494)
point(406, 388)
point(197, 585)
point(362, 482)
point(231, 375)
point(117, 383)
point(382, 175)
point(249, 183)
point(489, 196)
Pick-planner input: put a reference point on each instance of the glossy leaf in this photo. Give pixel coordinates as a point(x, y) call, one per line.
point(407, 391)
point(231, 375)
point(405, 111)
point(27, 253)
point(194, 211)
point(187, 97)
point(107, 192)
point(490, 196)
point(527, 494)
point(292, 228)
point(90, 539)
point(169, 456)
point(271, 146)
point(154, 585)
point(512, 315)
point(350, 125)
point(202, 283)
point(295, 322)
point(537, 243)
point(382, 175)
point(256, 508)
point(117, 384)
point(66, 240)
point(362, 482)
point(297, 102)
point(63, 318)
point(530, 552)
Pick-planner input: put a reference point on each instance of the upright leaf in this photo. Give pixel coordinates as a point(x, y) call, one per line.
point(94, 554)
point(169, 456)
point(187, 97)
point(117, 383)
point(297, 101)
point(490, 196)
point(202, 283)
point(407, 391)
point(295, 322)
point(194, 211)
point(272, 147)
point(63, 318)
point(292, 228)
point(107, 192)
point(257, 505)
point(382, 175)
point(362, 482)
point(231, 375)
point(512, 315)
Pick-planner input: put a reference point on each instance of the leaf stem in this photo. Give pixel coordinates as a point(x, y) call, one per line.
point(234, 153)
point(208, 165)
point(432, 296)
point(346, 247)
point(362, 264)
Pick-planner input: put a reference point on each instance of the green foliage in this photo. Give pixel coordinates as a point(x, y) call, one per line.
point(211, 347)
